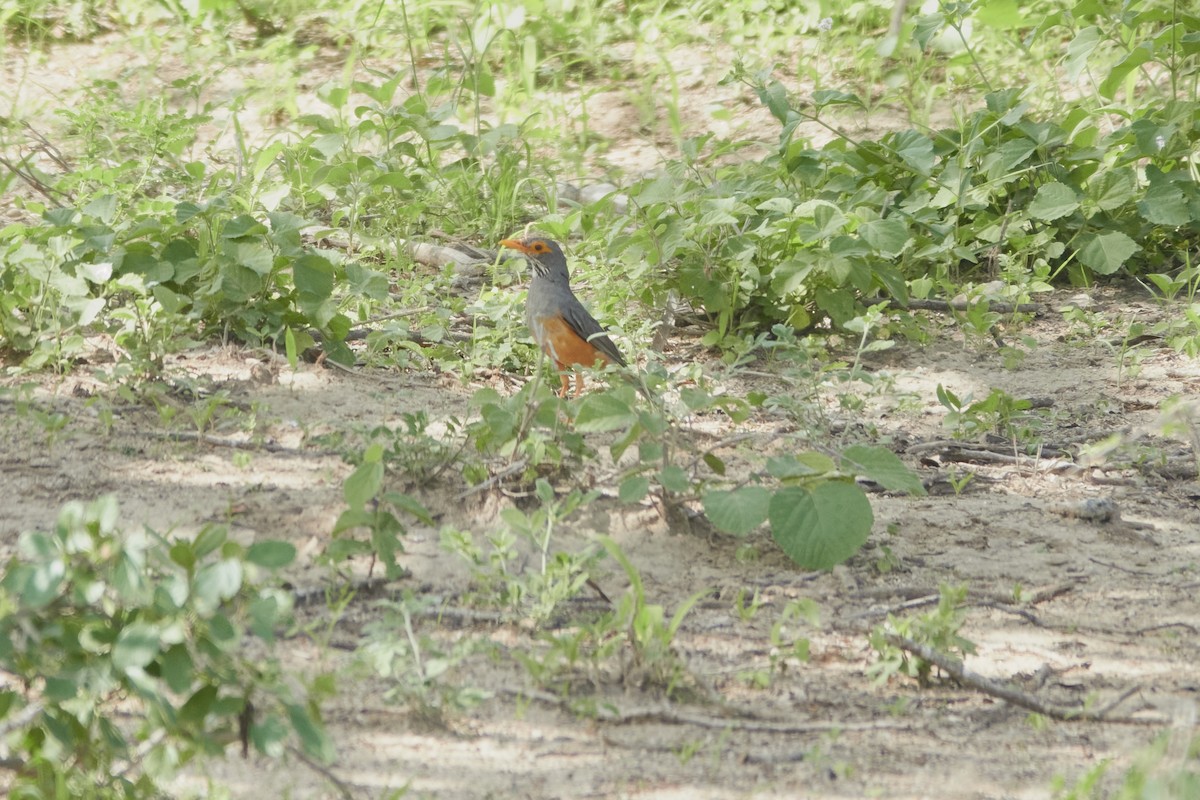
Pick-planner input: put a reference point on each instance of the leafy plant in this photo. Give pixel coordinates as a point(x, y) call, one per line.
point(96, 619)
point(417, 665)
point(376, 510)
point(938, 629)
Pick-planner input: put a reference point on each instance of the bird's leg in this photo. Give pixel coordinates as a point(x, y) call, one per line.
point(566, 384)
point(578, 384)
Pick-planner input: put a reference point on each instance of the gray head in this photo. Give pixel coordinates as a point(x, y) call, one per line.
point(545, 255)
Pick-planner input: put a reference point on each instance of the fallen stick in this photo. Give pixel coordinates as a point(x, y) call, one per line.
point(1010, 694)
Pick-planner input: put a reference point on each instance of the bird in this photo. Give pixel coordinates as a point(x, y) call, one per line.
point(562, 327)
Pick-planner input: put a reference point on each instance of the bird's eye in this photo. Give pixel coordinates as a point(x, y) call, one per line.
point(540, 247)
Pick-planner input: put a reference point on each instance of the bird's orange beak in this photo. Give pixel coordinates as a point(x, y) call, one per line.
point(515, 244)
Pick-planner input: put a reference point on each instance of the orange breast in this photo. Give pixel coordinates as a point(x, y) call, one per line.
point(560, 341)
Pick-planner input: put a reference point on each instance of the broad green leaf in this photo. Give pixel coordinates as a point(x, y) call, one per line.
point(882, 466)
point(1165, 204)
point(916, 150)
point(136, 646)
point(313, 276)
point(737, 511)
point(603, 411)
point(1053, 200)
point(886, 236)
point(363, 484)
point(821, 527)
point(1116, 188)
point(1105, 253)
point(271, 554)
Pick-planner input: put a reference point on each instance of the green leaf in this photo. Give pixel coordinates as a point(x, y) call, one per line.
point(363, 484)
point(886, 236)
point(242, 225)
point(1053, 200)
point(269, 736)
point(313, 738)
point(820, 527)
point(806, 465)
point(1004, 15)
point(675, 479)
point(1119, 72)
point(633, 489)
point(603, 411)
point(1116, 188)
point(1165, 204)
point(198, 705)
point(1080, 50)
point(882, 466)
point(1105, 253)
point(313, 275)
point(833, 97)
point(271, 554)
point(738, 511)
point(209, 539)
point(136, 646)
point(410, 504)
point(266, 614)
point(216, 583)
point(177, 668)
point(916, 150)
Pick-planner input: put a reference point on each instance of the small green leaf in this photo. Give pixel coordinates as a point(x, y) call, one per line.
point(136, 646)
point(313, 737)
point(209, 539)
point(1053, 200)
point(242, 225)
point(269, 736)
point(177, 668)
point(363, 484)
point(271, 554)
point(738, 511)
point(633, 489)
point(407, 503)
point(198, 705)
point(820, 527)
point(216, 583)
point(805, 465)
point(675, 479)
point(882, 466)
